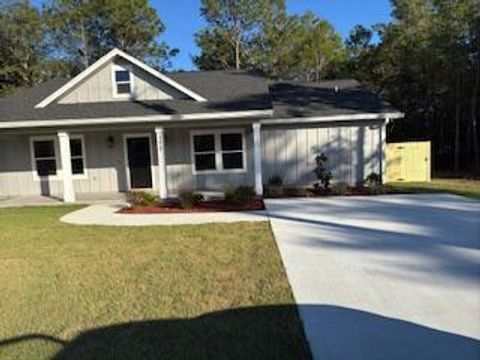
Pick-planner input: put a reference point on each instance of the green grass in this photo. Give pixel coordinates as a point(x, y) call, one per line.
point(470, 188)
point(84, 292)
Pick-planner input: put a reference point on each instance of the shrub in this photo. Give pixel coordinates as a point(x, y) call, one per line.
point(376, 190)
point(189, 199)
point(241, 195)
point(373, 179)
point(141, 198)
point(340, 188)
point(273, 191)
point(321, 171)
point(275, 180)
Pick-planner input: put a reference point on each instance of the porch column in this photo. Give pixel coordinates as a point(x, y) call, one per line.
point(383, 149)
point(162, 167)
point(65, 158)
point(257, 157)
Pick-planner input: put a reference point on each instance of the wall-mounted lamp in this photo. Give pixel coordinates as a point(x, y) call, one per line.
point(110, 142)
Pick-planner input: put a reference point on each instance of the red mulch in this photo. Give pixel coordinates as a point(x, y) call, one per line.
point(205, 206)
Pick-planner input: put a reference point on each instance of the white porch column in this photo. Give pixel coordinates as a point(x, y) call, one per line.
point(162, 167)
point(257, 157)
point(383, 149)
point(65, 158)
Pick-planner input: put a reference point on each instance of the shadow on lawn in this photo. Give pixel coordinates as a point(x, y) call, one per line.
point(269, 332)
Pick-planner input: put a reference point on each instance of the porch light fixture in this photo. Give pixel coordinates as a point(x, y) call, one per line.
point(110, 142)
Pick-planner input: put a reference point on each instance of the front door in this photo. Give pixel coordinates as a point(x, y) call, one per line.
point(139, 162)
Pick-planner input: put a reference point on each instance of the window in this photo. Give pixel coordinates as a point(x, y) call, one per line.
point(77, 156)
point(218, 151)
point(44, 157)
point(123, 80)
point(232, 151)
point(204, 148)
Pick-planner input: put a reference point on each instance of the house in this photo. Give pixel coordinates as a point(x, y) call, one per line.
point(120, 125)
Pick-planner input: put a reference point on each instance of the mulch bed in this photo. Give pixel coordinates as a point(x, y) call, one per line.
point(205, 206)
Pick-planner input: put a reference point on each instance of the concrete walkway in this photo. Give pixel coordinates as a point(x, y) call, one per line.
point(105, 214)
point(387, 277)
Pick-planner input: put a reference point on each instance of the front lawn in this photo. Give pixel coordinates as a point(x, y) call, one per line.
point(470, 188)
point(85, 292)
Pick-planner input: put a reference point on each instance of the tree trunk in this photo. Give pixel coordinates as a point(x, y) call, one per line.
point(456, 161)
point(237, 54)
point(83, 36)
point(476, 150)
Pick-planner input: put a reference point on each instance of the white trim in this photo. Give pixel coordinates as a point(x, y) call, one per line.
point(257, 157)
point(333, 118)
point(162, 165)
point(218, 151)
point(66, 160)
point(127, 164)
point(131, 82)
point(383, 150)
point(105, 59)
point(136, 119)
point(33, 159)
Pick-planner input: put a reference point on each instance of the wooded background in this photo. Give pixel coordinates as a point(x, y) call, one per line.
point(426, 61)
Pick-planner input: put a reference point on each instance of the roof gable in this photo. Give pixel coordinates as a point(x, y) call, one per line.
point(125, 58)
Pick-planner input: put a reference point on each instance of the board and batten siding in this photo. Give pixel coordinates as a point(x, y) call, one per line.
point(105, 166)
point(98, 87)
point(353, 151)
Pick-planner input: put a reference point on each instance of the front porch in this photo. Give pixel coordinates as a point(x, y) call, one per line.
point(101, 164)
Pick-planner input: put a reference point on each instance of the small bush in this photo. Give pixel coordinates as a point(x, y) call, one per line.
point(373, 179)
point(142, 198)
point(340, 188)
point(321, 171)
point(376, 190)
point(273, 191)
point(189, 199)
point(240, 196)
point(275, 180)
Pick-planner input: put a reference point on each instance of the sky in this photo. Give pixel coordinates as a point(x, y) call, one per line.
point(182, 19)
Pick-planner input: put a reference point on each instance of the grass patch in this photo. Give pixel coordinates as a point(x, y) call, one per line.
point(470, 188)
point(87, 292)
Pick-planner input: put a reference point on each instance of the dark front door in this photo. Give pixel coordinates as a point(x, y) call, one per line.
point(139, 162)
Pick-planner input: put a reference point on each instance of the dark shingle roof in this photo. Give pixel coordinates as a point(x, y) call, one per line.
point(293, 99)
point(224, 90)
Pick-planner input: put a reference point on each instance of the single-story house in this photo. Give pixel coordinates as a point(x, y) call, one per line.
point(121, 125)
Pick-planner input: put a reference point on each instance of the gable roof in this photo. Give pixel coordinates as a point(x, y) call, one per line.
point(227, 91)
point(104, 60)
point(231, 94)
point(326, 99)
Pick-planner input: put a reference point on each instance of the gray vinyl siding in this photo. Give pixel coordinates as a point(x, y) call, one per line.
point(353, 151)
point(179, 164)
point(98, 88)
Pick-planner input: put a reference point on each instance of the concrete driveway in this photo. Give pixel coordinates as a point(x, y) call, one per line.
point(387, 277)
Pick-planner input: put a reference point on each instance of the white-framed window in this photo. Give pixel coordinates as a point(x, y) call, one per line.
point(44, 156)
point(77, 153)
point(46, 159)
point(218, 151)
point(122, 83)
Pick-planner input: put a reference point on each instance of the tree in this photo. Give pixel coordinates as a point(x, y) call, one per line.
point(21, 45)
point(231, 24)
point(421, 63)
point(84, 30)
